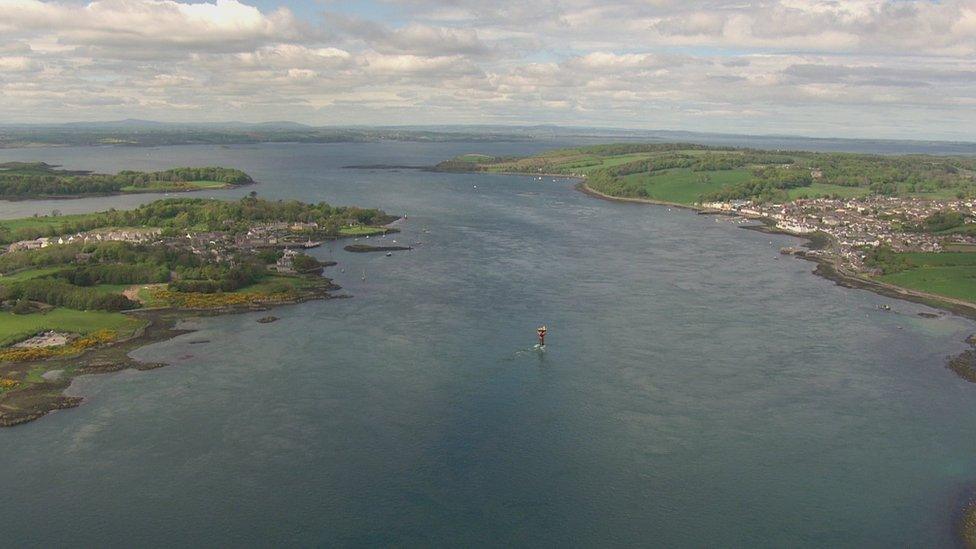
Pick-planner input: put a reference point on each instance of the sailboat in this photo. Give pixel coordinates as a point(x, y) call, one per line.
point(364, 275)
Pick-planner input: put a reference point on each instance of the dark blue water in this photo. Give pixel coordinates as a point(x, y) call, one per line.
point(699, 389)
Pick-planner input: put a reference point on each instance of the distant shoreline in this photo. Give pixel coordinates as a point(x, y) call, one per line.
point(825, 269)
point(223, 187)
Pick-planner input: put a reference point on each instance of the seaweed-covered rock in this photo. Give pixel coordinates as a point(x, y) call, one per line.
point(967, 526)
point(964, 365)
point(363, 248)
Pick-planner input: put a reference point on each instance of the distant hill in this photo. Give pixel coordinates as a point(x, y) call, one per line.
point(136, 132)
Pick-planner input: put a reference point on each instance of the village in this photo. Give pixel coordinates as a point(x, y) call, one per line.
point(216, 245)
point(856, 225)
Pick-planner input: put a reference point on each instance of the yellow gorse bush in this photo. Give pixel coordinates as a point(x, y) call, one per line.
point(195, 300)
point(82, 343)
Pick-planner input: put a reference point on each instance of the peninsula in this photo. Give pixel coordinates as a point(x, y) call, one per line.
point(78, 292)
point(903, 226)
point(38, 180)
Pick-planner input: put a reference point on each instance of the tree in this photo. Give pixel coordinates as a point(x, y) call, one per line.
point(303, 263)
point(22, 307)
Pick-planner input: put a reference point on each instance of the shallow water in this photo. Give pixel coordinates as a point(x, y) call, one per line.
point(697, 389)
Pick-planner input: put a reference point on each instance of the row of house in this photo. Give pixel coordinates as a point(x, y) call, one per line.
point(120, 235)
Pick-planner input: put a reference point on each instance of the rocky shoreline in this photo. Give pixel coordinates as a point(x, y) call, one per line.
point(366, 248)
point(830, 271)
point(42, 397)
point(825, 269)
point(963, 364)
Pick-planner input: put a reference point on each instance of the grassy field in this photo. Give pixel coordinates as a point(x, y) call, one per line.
point(683, 186)
point(598, 162)
point(43, 221)
point(111, 288)
point(28, 274)
point(164, 186)
point(15, 328)
point(961, 247)
point(361, 231)
point(560, 162)
point(818, 190)
point(937, 194)
point(773, 175)
point(948, 274)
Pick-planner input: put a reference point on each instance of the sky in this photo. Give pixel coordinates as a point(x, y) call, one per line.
point(839, 68)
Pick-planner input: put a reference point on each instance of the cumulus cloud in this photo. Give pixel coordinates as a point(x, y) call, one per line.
point(412, 38)
point(838, 26)
point(121, 23)
point(796, 66)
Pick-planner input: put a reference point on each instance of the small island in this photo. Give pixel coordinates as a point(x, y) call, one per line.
point(39, 180)
point(78, 292)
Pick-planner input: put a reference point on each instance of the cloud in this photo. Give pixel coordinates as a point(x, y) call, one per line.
point(945, 28)
point(412, 38)
point(222, 25)
point(789, 66)
point(17, 64)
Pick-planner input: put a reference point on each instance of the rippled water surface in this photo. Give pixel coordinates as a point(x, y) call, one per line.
point(699, 389)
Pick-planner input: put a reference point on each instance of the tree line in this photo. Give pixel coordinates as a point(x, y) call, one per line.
point(30, 180)
point(179, 215)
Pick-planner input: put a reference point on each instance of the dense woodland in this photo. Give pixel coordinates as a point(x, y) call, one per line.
point(23, 180)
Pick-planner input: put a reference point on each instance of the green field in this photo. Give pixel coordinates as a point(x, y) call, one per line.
point(15, 328)
point(37, 273)
point(597, 162)
point(111, 288)
point(949, 274)
point(682, 185)
point(361, 231)
point(43, 221)
point(163, 186)
point(28, 274)
point(566, 162)
point(620, 169)
point(818, 190)
point(961, 248)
